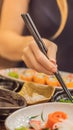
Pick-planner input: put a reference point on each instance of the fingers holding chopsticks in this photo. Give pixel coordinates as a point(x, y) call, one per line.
point(35, 59)
point(31, 61)
point(52, 50)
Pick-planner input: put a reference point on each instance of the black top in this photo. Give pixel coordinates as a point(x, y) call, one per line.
point(46, 16)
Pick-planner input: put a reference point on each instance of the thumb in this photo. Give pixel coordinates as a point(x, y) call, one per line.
point(52, 50)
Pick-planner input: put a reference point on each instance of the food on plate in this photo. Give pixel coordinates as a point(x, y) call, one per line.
point(22, 128)
point(65, 100)
point(57, 120)
point(27, 75)
point(55, 117)
point(35, 93)
point(13, 74)
point(68, 79)
point(39, 78)
point(52, 81)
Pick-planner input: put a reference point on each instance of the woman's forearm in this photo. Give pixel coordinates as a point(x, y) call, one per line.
point(12, 45)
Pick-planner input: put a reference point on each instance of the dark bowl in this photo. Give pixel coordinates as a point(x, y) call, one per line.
point(61, 96)
point(9, 102)
point(9, 84)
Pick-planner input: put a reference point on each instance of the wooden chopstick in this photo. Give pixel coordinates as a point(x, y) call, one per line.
point(34, 32)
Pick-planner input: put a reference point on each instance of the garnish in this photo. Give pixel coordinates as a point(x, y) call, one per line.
point(32, 117)
point(42, 117)
point(13, 74)
point(22, 128)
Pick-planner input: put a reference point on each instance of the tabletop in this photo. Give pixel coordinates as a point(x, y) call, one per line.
point(2, 127)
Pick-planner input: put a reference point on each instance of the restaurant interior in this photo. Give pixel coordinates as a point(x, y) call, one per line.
point(33, 98)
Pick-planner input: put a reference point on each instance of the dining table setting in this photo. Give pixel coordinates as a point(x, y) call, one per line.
point(34, 100)
point(22, 89)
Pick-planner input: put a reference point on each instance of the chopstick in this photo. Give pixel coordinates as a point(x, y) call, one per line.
point(34, 32)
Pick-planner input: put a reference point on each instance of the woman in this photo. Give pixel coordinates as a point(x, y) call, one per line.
point(50, 18)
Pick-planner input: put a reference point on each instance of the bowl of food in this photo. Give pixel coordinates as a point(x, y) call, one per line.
point(9, 84)
point(61, 96)
point(45, 116)
point(9, 102)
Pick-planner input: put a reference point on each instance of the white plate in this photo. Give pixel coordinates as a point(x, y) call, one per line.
point(20, 117)
point(68, 77)
point(4, 72)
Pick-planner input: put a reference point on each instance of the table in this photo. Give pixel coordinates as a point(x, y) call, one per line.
point(2, 127)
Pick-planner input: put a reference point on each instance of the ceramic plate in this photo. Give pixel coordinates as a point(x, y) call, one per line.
point(34, 93)
point(9, 102)
point(15, 72)
point(23, 75)
point(39, 112)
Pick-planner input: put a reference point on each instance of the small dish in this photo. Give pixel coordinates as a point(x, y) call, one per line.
point(36, 93)
point(9, 102)
point(60, 96)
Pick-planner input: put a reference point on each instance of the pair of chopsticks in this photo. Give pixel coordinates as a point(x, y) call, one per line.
point(34, 32)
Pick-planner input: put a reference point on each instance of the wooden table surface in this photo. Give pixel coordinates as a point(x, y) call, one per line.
point(2, 126)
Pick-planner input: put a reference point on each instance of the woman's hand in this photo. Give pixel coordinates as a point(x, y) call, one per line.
point(35, 59)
